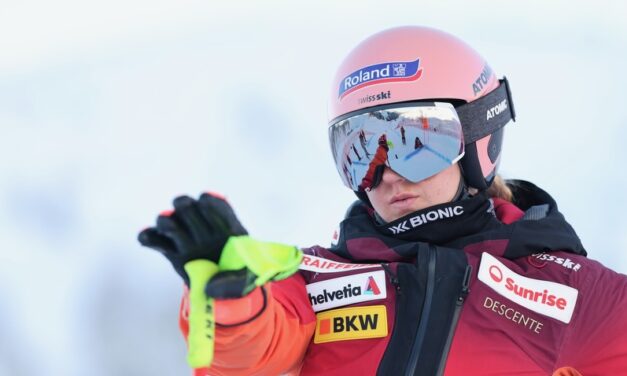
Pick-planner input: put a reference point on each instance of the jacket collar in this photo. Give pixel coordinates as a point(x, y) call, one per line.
point(461, 224)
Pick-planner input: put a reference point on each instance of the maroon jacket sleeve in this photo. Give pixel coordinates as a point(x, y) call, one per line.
point(596, 342)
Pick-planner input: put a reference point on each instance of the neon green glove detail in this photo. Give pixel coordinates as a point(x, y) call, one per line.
point(201, 315)
point(268, 261)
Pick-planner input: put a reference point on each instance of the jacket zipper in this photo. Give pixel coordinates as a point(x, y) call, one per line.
point(424, 317)
point(456, 313)
point(393, 278)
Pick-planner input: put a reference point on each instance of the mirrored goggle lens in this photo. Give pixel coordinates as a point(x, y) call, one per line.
point(416, 141)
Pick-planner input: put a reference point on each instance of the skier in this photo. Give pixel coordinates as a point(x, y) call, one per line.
point(356, 153)
point(437, 269)
point(376, 164)
point(403, 135)
point(362, 142)
point(417, 143)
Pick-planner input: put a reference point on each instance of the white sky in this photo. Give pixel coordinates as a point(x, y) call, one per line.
point(110, 109)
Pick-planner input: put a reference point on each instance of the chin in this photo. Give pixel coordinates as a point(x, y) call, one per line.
point(399, 214)
point(396, 213)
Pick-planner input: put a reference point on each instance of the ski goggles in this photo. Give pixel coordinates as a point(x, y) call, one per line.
point(414, 139)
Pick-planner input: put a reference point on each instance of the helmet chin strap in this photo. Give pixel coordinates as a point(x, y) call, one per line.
point(463, 190)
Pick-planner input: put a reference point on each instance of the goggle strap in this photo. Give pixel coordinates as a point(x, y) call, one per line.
point(487, 114)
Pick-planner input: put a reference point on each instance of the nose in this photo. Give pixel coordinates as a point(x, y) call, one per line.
point(390, 177)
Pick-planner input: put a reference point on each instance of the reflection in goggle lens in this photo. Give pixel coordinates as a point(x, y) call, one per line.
point(415, 141)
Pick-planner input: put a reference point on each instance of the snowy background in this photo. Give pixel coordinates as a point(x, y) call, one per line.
point(110, 109)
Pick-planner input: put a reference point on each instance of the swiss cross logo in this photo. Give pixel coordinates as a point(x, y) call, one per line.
point(336, 236)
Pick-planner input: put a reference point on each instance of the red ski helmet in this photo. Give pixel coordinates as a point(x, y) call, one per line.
point(403, 69)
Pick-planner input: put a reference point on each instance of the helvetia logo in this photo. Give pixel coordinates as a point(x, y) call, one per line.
point(371, 287)
point(378, 73)
point(548, 298)
point(356, 288)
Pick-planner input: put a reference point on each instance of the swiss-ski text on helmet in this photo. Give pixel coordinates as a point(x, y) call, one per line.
point(371, 98)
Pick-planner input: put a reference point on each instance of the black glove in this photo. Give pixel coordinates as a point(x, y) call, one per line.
point(208, 229)
point(196, 229)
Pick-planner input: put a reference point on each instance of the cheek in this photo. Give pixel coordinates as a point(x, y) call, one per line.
point(447, 184)
point(376, 198)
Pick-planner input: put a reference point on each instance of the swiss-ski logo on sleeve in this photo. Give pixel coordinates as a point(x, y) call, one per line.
point(378, 73)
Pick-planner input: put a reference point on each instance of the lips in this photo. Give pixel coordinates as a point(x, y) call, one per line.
point(401, 197)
